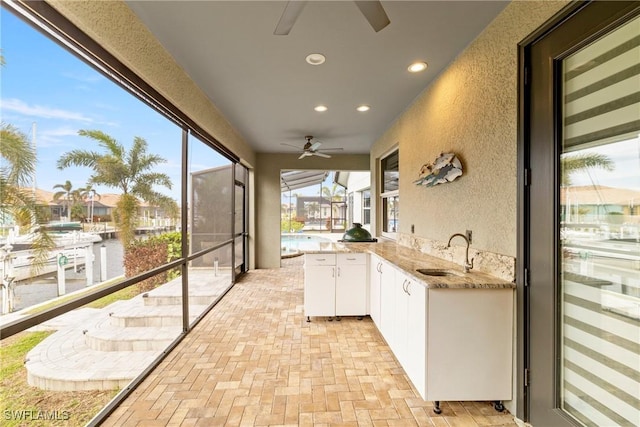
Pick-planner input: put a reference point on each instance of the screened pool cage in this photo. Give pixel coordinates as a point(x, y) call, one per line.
point(311, 204)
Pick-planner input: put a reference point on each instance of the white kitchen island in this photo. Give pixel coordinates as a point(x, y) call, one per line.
point(452, 334)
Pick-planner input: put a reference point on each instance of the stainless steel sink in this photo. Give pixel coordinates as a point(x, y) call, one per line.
point(437, 272)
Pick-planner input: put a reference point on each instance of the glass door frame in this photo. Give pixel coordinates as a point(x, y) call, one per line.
point(539, 137)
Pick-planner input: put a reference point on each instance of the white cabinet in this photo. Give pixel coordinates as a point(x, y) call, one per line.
point(375, 273)
point(387, 301)
point(469, 356)
point(404, 326)
point(319, 284)
point(351, 284)
point(335, 284)
point(409, 337)
point(454, 344)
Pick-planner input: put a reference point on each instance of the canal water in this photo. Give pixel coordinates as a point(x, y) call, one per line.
point(46, 288)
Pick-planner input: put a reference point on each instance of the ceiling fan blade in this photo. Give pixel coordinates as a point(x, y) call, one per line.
point(375, 14)
point(289, 16)
point(315, 146)
point(305, 154)
point(319, 154)
point(332, 149)
point(290, 145)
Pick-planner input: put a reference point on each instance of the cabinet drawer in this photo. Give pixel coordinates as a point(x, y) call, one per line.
point(320, 259)
point(347, 259)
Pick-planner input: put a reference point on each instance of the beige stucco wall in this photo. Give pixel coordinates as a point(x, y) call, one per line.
point(116, 28)
point(470, 109)
point(267, 186)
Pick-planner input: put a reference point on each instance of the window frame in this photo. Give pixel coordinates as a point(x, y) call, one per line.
point(386, 195)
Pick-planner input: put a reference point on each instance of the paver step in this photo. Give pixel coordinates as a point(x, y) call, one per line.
point(131, 338)
point(64, 362)
point(204, 287)
point(104, 349)
point(152, 316)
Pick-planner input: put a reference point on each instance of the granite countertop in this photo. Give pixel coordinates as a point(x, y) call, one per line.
point(408, 260)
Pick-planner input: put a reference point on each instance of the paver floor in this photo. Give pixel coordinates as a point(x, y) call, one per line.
point(255, 361)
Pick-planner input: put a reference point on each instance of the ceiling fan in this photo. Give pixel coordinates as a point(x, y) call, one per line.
point(372, 11)
point(311, 148)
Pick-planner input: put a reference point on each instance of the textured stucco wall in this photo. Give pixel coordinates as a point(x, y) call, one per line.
point(267, 182)
point(470, 109)
point(116, 28)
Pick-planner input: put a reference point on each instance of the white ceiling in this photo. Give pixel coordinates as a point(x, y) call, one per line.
point(264, 87)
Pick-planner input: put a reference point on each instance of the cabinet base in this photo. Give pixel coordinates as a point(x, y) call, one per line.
point(497, 405)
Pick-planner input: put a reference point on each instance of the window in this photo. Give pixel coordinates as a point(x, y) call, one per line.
point(366, 207)
point(389, 194)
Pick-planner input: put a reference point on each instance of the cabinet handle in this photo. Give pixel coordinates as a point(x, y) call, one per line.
point(333, 272)
point(321, 259)
point(338, 271)
point(379, 267)
point(404, 289)
point(408, 284)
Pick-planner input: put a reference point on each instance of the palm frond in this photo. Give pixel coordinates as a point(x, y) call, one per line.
point(18, 153)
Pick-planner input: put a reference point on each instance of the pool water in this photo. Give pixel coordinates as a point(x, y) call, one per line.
point(291, 244)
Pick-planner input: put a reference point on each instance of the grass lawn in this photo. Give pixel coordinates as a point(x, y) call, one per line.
point(19, 400)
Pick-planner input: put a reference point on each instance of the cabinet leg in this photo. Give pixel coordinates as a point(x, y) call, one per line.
point(338, 318)
point(498, 406)
point(437, 408)
point(330, 319)
point(308, 320)
point(359, 317)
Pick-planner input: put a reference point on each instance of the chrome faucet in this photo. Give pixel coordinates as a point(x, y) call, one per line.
point(468, 265)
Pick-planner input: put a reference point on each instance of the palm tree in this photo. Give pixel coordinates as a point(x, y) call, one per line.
point(89, 194)
point(129, 171)
point(582, 162)
point(17, 166)
point(334, 194)
point(67, 194)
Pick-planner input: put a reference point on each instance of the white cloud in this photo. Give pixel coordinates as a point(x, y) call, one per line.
point(55, 137)
point(21, 107)
point(85, 78)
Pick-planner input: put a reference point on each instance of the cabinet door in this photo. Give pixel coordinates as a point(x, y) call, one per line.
point(351, 285)
point(387, 301)
point(374, 289)
point(471, 330)
point(400, 319)
point(319, 285)
point(416, 363)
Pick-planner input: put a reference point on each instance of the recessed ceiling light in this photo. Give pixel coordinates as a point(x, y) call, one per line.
point(416, 67)
point(321, 108)
point(362, 108)
point(315, 59)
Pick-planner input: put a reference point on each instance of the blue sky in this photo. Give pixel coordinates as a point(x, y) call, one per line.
point(43, 83)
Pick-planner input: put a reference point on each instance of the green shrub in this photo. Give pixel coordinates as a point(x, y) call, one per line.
point(292, 226)
point(142, 256)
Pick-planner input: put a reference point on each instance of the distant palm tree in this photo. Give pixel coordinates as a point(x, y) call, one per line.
point(582, 162)
point(68, 195)
point(89, 194)
point(335, 193)
point(130, 171)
